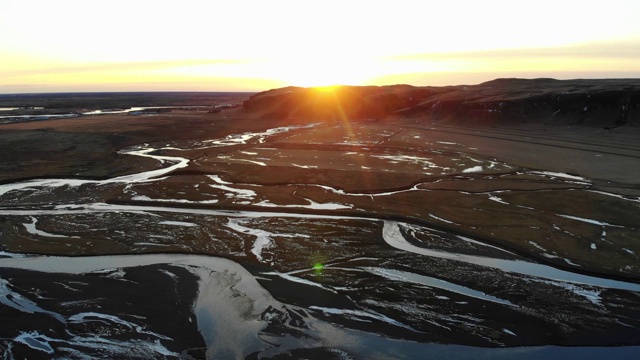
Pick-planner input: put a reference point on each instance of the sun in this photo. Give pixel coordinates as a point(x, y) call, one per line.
point(325, 70)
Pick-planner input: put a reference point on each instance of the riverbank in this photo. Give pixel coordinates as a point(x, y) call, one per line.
point(573, 181)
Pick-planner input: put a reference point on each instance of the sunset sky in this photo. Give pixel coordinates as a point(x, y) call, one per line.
point(251, 45)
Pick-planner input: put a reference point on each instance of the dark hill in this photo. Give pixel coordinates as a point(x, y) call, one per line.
point(606, 103)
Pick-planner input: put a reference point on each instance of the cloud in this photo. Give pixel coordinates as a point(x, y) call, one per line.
point(629, 49)
point(133, 66)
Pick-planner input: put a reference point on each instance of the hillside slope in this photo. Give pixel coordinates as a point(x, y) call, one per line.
point(603, 103)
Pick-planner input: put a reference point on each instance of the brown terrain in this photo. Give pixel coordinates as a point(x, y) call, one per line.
point(545, 125)
point(543, 171)
point(600, 103)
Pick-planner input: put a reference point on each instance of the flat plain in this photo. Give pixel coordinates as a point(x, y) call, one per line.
point(251, 233)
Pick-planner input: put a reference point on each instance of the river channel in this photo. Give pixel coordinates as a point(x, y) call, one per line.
point(275, 280)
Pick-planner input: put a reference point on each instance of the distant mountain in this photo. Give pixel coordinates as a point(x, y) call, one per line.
point(607, 103)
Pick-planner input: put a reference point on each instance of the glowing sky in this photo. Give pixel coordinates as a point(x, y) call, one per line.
point(237, 45)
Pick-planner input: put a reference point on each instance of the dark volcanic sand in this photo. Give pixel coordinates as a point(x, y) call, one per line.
point(359, 239)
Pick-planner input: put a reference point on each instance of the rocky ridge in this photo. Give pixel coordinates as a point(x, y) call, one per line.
point(605, 103)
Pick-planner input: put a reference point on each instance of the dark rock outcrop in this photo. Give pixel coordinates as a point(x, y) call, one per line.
point(606, 102)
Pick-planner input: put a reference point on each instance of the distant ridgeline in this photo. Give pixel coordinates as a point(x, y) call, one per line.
point(607, 103)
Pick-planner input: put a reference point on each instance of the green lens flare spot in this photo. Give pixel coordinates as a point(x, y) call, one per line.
point(318, 267)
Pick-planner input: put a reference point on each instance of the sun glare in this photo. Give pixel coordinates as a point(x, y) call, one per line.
point(310, 44)
point(322, 70)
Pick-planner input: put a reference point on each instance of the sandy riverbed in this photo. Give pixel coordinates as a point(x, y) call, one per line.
point(281, 197)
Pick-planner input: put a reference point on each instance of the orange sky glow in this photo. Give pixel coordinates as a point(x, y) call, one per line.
point(250, 45)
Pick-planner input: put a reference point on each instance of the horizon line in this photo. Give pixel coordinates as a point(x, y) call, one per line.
point(318, 86)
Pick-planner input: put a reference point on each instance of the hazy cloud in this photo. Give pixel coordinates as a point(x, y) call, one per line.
point(618, 50)
point(125, 66)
